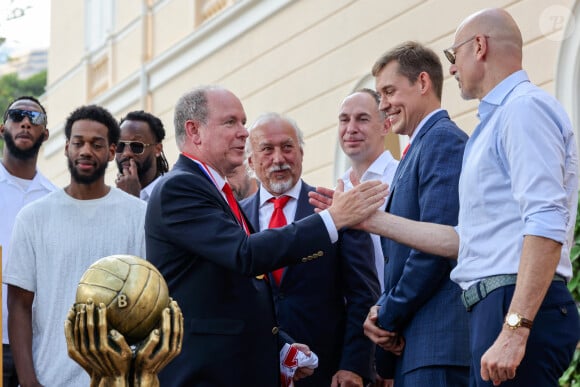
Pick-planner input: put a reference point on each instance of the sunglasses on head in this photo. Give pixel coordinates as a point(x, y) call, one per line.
point(36, 118)
point(136, 147)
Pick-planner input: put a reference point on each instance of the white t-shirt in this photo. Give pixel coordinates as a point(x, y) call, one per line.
point(15, 193)
point(383, 169)
point(55, 239)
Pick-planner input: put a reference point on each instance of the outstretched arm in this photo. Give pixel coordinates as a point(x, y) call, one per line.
point(431, 238)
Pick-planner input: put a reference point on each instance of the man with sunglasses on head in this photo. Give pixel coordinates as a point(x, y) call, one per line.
point(24, 130)
point(140, 156)
point(56, 238)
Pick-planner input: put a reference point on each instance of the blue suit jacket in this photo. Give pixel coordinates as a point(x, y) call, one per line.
point(324, 303)
point(210, 263)
point(420, 301)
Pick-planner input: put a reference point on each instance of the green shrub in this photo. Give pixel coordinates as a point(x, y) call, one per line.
point(571, 377)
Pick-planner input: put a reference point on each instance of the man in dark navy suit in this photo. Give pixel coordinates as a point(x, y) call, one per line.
point(213, 263)
point(323, 303)
point(420, 322)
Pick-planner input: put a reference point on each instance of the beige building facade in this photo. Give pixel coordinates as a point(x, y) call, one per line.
point(296, 57)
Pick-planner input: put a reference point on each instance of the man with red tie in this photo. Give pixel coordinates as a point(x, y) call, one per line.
point(322, 303)
point(213, 263)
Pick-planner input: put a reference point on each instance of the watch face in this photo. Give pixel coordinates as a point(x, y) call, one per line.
point(513, 319)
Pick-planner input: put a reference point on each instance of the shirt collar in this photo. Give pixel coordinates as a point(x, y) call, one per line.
point(377, 168)
point(375, 171)
point(219, 181)
point(422, 123)
point(146, 192)
point(293, 192)
point(37, 180)
point(4, 175)
point(497, 95)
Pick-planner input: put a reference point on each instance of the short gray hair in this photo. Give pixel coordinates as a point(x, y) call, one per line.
point(191, 106)
point(273, 116)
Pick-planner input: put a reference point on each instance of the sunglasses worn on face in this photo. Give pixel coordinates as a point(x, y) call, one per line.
point(137, 147)
point(18, 115)
point(450, 52)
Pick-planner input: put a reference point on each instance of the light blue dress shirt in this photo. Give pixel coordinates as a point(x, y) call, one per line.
point(519, 177)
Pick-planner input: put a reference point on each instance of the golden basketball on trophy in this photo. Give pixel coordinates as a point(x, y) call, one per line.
point(132, 289)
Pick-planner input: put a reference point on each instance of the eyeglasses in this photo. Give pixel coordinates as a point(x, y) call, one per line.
point(450, 52)
point(18, 115)
point(137, 147)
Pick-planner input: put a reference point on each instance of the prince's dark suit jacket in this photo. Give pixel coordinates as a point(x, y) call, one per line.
point(420, 301)
point(210, 265)
point(324, 303)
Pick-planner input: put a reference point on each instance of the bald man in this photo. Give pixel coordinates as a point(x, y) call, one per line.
point(518, 196)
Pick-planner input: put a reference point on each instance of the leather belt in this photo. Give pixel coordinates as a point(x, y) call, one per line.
point(481, 289)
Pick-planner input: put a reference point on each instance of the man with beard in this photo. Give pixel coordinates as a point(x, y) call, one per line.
point(324, 302)
point(242, 183)
point(24, 130)
point(140, 156)
point(214, 262)
point(56, 238)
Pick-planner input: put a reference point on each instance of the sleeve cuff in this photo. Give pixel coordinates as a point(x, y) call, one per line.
point(330, 227)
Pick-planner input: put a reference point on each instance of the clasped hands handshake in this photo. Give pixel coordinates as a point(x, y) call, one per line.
point(352, 208)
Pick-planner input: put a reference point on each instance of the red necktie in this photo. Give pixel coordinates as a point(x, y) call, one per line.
point(278, 220)
point(234, 206)
point(405, 151)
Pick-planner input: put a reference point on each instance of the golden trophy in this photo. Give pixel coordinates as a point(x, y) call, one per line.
point(123, 328)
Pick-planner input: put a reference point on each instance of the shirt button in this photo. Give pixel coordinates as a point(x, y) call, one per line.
point(275, 330)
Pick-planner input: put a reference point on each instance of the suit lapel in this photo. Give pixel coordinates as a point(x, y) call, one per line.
point(411, 156)
point(254, 210)
point(303, 208)
point(185, 164)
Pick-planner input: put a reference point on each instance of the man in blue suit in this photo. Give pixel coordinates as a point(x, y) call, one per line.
point(213, 263)
point(419, 321)
point(323, 303)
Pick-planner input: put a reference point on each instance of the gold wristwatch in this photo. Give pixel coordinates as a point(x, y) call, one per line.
point(515, 320)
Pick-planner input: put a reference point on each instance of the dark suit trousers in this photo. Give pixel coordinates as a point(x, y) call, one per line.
point(551, 342)
point(434, 376)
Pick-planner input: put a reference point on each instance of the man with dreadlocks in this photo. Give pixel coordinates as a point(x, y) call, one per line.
point(140, 156)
